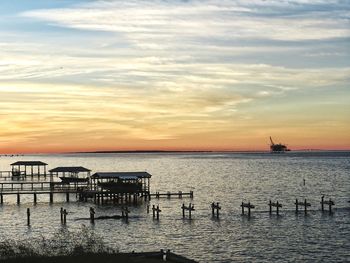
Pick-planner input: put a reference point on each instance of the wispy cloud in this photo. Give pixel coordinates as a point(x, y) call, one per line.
point(168, 71)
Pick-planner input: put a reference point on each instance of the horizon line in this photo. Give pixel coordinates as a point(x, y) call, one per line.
point(173, 151)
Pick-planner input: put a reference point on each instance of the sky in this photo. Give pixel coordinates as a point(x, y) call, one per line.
point(174, 75)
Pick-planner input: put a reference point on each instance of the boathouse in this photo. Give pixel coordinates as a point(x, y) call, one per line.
point(28, 168)
point(121, 182)
point(71, 174)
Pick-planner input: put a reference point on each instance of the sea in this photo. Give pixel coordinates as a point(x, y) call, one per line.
point(227, 178)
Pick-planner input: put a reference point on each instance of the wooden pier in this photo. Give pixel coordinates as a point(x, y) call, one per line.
point(179, 194)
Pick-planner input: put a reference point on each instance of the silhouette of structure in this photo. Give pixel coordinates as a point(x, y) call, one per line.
point(277, 148)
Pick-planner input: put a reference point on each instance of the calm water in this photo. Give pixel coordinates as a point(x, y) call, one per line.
point(222, 177)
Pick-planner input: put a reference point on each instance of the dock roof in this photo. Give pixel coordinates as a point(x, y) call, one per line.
point(69, 169)
point(29, 163)
point(121, 175)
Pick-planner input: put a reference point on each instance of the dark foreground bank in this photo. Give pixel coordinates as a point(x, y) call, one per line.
point(81, 246)
point(147, 257)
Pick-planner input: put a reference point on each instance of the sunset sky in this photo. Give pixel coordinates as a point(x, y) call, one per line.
point(173, 75)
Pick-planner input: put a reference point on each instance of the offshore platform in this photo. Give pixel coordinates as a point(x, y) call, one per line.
point(278, 148)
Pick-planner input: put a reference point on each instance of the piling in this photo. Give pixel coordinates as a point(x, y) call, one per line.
point(65, 216)
point(330, 203)
point(35, 199)
point(190, 208)
point(125, 213)
point(277, 205)
point(247, 205)
point(215, 207)
point(92, 215)
point(28, 216)
point(1, 199)
point(18, 198)
point(305, 204)
point(67, 197)
point(51, 198)
point(61, 213)
point(156, 210)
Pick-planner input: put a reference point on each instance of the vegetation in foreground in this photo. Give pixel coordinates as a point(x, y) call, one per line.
point(63, 243)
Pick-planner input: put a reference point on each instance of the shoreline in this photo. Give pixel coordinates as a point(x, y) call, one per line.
point(140, 257)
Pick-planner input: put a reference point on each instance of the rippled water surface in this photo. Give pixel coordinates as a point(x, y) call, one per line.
point(228, 178)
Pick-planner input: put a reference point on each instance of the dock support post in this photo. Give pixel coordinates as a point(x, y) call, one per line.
point(248, 209)
point(18, 198)
point(147, 208)
point(270, 205)
point(65, 216)
point(61, 213)
point(92, 215)
point(158, 210)
point(67, 197)
point(242, 205)
point(154, 211)
point(183, 210)
point(51, 198)
point(28, 216)
point(296, 206)
point(322, 203)
point(1, 198)
point(35, 199)
point(190, 211)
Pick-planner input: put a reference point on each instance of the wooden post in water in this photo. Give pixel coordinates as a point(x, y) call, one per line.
point(183, 210)
point(28, 216)
point(92, 215)
point(125, 213)
point(147, 208)
point(18, 198)
point(270, 206)
point(51, 197)
point(190, 209)
point(249, 209)
point(65, 216)
point(61, 213)
point(67, 197)
point(330, 203)
point(156, 210)
point(247, 205)
point(215, 207)
point(35, 199)
point(305, 206)
point(1, 198)
point(296, 206)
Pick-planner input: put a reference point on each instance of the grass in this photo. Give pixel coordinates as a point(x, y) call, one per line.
point(68, 247)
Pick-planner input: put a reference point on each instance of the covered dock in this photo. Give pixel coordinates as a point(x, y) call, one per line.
point(70, 174)
point(122, 182)
point(28, 168)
